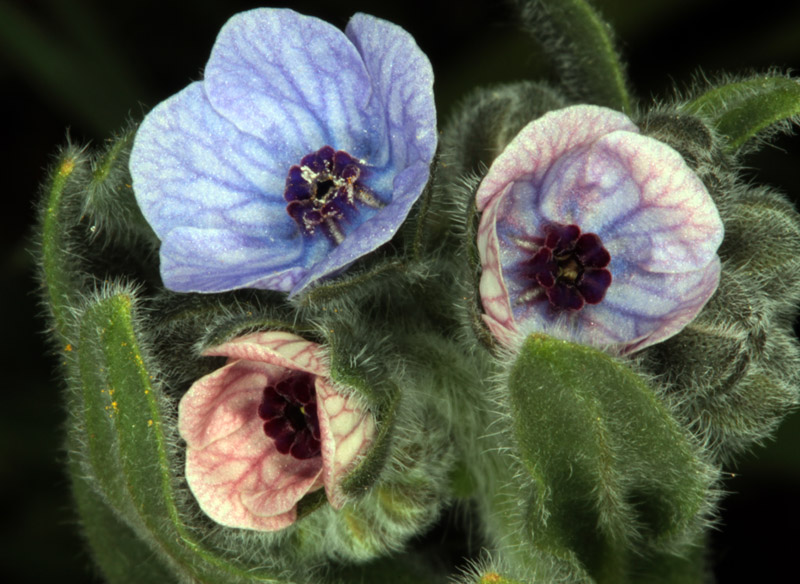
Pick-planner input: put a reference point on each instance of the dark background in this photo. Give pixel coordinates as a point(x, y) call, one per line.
point(83, 68)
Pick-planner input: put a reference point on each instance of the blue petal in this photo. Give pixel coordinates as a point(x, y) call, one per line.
point(216, 260)
point(192, 169)
point(295, 82)
point(402, 81)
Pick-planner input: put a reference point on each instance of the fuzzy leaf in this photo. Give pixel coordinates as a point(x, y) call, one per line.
point(742, 109)
point(58, 265)
point(121, 555)
point(579, 42)
point(613, 468)
point(125, 444)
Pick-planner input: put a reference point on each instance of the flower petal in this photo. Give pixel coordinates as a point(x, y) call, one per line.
point(626, 184)
point(243, 481)
point(539, 144)
point(274, 72)
point(220, 403)
point(493, 292)
point(180, 178)
point(402, 78)
point(346, 434)
point(234, 470)
point(634, 198)
point(216, 260)
point(676, 211)
point(276, 348)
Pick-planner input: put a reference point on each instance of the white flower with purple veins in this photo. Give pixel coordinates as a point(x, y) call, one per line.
point(303, 149)
point(593, 233)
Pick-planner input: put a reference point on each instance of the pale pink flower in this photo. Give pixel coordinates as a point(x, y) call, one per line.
point(268, 428)
point(593, 233)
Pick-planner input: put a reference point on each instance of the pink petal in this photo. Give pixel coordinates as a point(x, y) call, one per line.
point(243, 481)
point(220, 403)
point(493, 291)
point(275, 347)
point(346, 431)
point(233, 469)
point(534, 150)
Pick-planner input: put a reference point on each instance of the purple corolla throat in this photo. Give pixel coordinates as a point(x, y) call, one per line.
point(568, 269)
point(322, 191)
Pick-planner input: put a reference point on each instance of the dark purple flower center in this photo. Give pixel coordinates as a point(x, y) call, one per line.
point(289, 411)
point(322, 191)
point(568, 268)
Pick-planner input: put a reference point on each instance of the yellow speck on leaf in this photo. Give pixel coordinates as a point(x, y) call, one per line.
point(490, 578)
point(68, 348)
point(149, 423)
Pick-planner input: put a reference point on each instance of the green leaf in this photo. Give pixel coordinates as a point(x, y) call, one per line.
point(615, 473)
point(59, 266)
point(579, 43)
point(120, 554)
point(125, 444)
point(742, 109)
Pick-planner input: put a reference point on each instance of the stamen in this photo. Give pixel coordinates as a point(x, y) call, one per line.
point(323, 190)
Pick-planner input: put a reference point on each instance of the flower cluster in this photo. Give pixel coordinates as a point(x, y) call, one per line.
point(359, 321)
point(303, 149)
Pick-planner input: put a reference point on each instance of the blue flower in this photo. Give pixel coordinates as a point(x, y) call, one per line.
point(593, 233)
point(303, 149)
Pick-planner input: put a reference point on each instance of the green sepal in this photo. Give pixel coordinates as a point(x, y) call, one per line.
point(109, 201)
point(614, 474)
point(743, 109)
point(579, 43)
point(123, 436)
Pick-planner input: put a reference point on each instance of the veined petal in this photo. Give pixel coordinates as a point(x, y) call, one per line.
point(403, 80)
point(638, 205)
point(181, 178)
point(237, 476)
point(539, 144)
point(210, 165)
point(222, 402)
point(493, 291)
point(275, 347)
point(232, 423)
point(242, 481)
point(274, 72)
point(216, 260)
point(346, 434)
point(676, 210)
